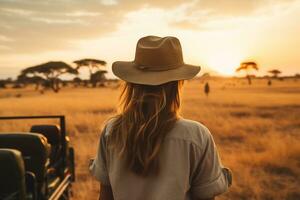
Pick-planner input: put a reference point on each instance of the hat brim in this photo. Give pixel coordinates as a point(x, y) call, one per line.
point(129, 72)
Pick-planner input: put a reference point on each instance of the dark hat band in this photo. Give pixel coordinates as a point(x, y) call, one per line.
point(158, 68)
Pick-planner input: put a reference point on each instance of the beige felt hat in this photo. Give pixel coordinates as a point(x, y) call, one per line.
point(157, 61)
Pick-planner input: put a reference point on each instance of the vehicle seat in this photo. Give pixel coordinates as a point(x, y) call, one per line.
point(53, 135)
point(35, 151)
point(12, 173)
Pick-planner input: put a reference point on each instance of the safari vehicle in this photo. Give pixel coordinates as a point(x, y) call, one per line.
point(38, 164)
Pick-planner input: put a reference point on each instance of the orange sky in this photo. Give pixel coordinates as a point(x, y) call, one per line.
point(215, 34)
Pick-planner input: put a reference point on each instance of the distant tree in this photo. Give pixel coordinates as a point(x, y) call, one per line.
point(50, 71)
point(77, 81)
point(64, 83)
point(206, 89)
point(85, 83)
point(24, 80)
point(2, 84)
point(247, 66)
point(275, 73)
point(5, 82)
point(9, 80)
point(98, 77)
point(17, 86)
point(21, 79)
point(93, 65)
point(205, 75)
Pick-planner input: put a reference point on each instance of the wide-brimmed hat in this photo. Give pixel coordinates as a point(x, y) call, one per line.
point(157, 60)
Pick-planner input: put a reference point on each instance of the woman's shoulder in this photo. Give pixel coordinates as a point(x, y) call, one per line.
point(107, 125)
point(190, 131)
point(191, 125)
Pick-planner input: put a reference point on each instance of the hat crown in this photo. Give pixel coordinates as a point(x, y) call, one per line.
point(156, 53)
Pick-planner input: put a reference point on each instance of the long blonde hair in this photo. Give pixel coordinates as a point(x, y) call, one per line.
point(146, 114)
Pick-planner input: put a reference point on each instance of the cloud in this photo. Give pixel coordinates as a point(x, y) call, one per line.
point(4, 38)
point(215, 14)
point(4, 48)
point(40, 26)
point(58, 21)
point(15, 11)
point(109, 2)
point(80, 13)
point(236, 8)
point(185, 24)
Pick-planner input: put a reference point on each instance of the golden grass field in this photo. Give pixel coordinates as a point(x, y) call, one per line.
point(256, 129)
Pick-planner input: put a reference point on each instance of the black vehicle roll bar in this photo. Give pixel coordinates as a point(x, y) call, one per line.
point(61, 118)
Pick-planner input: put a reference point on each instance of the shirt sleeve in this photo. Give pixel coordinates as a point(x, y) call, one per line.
point(210, 178)
point(98, 166)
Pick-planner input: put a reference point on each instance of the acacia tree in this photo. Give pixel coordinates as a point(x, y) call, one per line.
point(77, 81)
point(275, 73)
point(247, 67)
point(50, 71)
point(2, 84)
point(94, 66)
point(98, 77)
point(24, 80)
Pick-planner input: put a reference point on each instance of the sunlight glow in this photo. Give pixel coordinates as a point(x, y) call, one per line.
point(217, 41)
point(225, 62)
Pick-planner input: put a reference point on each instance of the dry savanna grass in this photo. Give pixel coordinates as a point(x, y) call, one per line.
point(256, 129)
